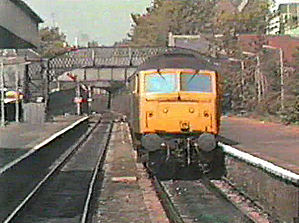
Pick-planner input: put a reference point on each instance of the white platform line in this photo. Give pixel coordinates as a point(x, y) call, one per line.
point(265, 165)
point(42, 144)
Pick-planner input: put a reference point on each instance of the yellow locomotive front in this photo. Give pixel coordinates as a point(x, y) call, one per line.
point(179, 101)
point(175, 110)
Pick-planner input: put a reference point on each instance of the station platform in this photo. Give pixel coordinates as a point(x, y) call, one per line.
point(273, 142)
point(18, 138)
point(127, 185)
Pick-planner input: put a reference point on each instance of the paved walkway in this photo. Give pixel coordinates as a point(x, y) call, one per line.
point(26, 136)
point(17, 138)
point(127, 195)
point(274, 142)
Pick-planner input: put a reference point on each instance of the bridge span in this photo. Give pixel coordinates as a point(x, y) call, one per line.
point(99, 67)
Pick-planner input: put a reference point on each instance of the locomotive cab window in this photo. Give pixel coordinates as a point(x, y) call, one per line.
point(161, 83)
point(196, 82)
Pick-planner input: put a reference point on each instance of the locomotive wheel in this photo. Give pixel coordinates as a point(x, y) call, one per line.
point(217, 164)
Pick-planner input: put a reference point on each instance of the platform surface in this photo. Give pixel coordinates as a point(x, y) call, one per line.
point(273, 142)
point(17, 138)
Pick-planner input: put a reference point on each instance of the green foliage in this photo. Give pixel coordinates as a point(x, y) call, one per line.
point(53, 42)
point(220, 22)
point(178, 17)
point(198, 17)
point(152, 29)
point(93, 44)
point(291, 113)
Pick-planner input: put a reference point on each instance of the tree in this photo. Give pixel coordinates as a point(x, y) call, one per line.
point(53, 42)
point(291, 113)
point(178, 17)
point(229, 22)
point(93, 44)
point(151, 29)
point(252, 87)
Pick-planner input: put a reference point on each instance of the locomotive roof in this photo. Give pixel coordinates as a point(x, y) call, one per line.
point(177, 61)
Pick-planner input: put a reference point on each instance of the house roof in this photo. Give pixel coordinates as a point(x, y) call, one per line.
point(28, 10)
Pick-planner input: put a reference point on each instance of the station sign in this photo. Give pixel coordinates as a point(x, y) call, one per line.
point(12, 96)
point(78, 100)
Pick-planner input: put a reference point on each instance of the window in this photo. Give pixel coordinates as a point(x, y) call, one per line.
point(161, 83)
point(196, 83)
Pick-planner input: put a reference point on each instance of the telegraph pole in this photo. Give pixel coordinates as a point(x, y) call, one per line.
point(78, 96)
point(89, 100)
point(281, 73)
point(17, 98)
point(242, 78)
point(258, 73)
point(281, 80)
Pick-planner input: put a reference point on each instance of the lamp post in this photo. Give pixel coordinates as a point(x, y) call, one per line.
point(258, 73)
point(17, 113)
point(281, 73)
point(17, 104)
point(2, 94)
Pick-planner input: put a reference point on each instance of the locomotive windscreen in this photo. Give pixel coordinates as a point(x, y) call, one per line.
point(160, 83)
point(196, 83)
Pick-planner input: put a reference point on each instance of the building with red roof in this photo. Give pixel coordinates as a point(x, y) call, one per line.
point(254, 43)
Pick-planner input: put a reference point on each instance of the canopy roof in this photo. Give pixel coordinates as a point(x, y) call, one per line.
point(28, 10)
point(18, 25)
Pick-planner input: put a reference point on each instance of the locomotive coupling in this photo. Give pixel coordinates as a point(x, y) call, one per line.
point(185, 125)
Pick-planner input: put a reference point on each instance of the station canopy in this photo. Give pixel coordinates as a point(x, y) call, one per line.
point(18, 25)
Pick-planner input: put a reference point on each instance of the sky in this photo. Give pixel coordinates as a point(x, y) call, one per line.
point(105, 21)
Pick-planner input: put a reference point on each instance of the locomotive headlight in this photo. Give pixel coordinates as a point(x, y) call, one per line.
point(165, 110)
point(163, 145)
point(191, 110)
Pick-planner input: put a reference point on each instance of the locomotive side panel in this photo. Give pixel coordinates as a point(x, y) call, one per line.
point(134, 117)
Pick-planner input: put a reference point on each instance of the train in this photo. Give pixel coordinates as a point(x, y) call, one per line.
point(175, 112)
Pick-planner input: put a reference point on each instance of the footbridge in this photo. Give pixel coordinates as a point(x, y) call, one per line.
point(105, 68)
point(98, 66)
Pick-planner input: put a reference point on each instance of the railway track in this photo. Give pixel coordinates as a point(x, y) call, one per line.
point(192, 197)
point(188, 201)
point(227, 199)
point(62, 190)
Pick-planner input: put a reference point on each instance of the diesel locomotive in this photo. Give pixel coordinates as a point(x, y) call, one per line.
point(175, 112)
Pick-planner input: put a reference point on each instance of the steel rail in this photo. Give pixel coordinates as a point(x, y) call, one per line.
point(99, 163)
point(41, 145)
point(175, 214)
point(54, 168)
point(171, 211)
